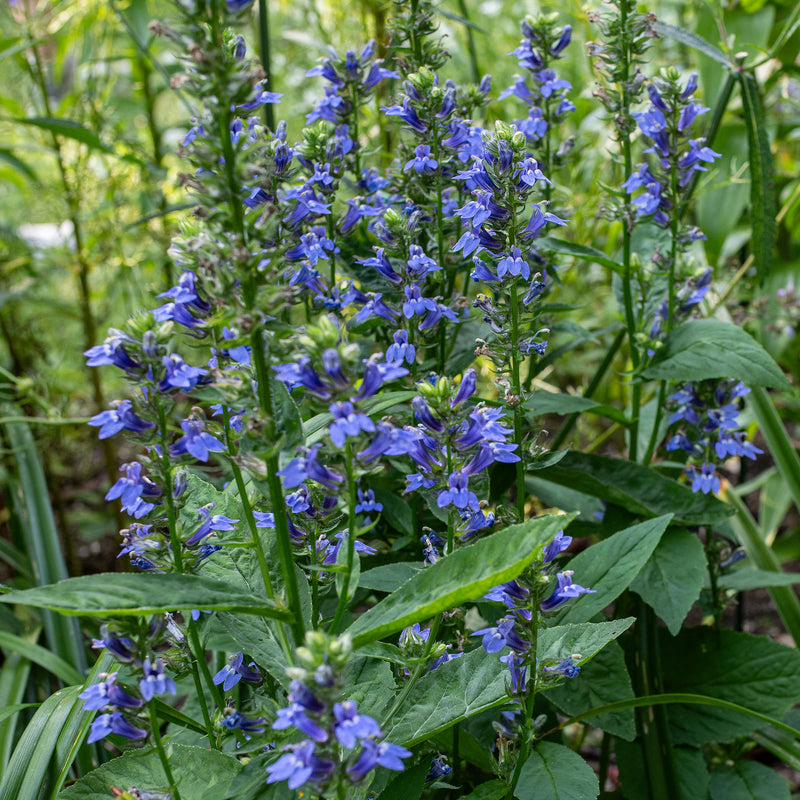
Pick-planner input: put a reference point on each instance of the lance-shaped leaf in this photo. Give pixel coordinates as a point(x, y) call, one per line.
point(465, 575)
point(109, 594)
point(762, 177)
point(709, 348)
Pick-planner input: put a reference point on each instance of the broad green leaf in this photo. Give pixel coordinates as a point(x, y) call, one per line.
point(257, 638)
point(456, 690)
point(455, 579)
point(554, 772)
point(198, 771)
point(389, 577)
point(609, 566)
point(492, 790)
point(692, 40)
point(370, 684)
point(747, 780)
point(581, 251)
point(671, 580)
point(751, 671)
point(637, 489)
point(582, 642)
point(744, 579)
point(709, 348)
point(603, 680)
point(141, 594)
point(762, 177)
point(64, 671)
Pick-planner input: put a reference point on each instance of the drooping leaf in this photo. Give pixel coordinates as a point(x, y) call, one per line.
point(9, 711)
point(554, 772)
point(609, 566)
point(562, 403)
point(671, 580)
point(465, 575)
point(762, 177)
point(198, 771)
point(709, 348)
point(142, 594)
point(581, 251)
point(603, 680)
point(692, 40)
point(751, 671)
point(64, 671)
point(747, 780)
point(744, 579)
point(637, 489)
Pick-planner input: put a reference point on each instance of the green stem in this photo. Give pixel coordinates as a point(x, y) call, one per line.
point(263, 40)
point(516, 390)
point(354, 123)
point(162, 755)
point(344, 595)
point(198, 687)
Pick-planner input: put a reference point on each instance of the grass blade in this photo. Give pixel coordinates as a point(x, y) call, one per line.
point(762, 178)
point(64, 671)
point(13, 680)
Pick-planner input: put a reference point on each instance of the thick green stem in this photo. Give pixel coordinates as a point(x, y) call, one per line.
point(344, 595)
point(263, 40)
point(516, 390)
point(162, 754)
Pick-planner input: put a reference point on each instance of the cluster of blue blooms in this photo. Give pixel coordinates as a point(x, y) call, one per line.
point(707, 418)
point(331, 726)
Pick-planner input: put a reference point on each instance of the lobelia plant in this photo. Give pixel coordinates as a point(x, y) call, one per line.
point(334, 448)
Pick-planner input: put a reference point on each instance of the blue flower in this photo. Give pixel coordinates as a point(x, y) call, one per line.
point(367, 502)
point(238, 721)
point(458, 493)
point(347, 423)
point(422, 161)
point(565, 590)
point(513, 264)
point(307, 467)
point(195, 441)
point(119, 418)
point(232, 673)
point(564, 669)
point(299, 766)
point(706, 480)
point(132, 489)
point(155, 681)
point(295, 717)
point(107, 693)
point(113, 723)
point(504, 634)
point(350, 726)
point(374, 754)
point(559, 543)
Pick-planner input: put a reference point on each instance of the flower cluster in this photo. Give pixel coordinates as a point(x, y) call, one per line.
point(342, 745)
point(708, 429)
point(525, 601)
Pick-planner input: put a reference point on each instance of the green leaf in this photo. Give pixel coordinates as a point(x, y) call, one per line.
point(747, 780)
point(581, 641)
point(198, 771)
point(19, 165)
point(671, 581)
point(692, 40)
point(640, 490)
point(407, 785)
point(690, 767)
point(396, 512)
point(107, 594)
point(561, 403)
point(389, 577)
point(456, 690)
point(288, 421)
point(751, 671)
point(31, 502)
point(603, 680)
point(69, 129)
point(455, 579)
point(762, 177)
point(9, 711)
point(554, 772)
point(744, 579)
point(609, 566)
point(581, 251)
point(708, 348)
point(63, 670)
point(491, 790)
point(50, 741)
